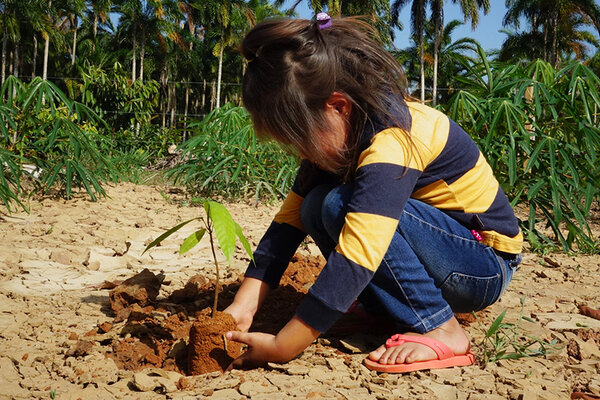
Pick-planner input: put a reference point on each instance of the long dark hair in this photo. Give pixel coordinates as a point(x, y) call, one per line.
point(294, 67)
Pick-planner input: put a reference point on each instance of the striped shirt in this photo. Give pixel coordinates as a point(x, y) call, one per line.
point(438, 163)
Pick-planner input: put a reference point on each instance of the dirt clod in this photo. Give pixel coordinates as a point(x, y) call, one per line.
point(208, 349)
point(139, 289)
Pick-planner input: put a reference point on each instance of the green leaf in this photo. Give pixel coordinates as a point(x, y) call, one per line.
point(495, 325)
point(243, 240)
point(168, 233)
point(191, 241)
point(224, 227)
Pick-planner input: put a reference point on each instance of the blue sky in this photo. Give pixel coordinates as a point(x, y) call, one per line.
point(487, 32)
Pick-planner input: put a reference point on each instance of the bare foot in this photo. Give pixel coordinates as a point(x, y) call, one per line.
point(450, 333)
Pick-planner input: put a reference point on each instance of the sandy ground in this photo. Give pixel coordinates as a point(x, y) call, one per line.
point(52, 261)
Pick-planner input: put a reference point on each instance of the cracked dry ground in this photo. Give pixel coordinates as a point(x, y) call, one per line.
point(54, 261)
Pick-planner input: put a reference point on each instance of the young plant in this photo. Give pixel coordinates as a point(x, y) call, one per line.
point(501, 336)
point(225, 157)
point(218, 223)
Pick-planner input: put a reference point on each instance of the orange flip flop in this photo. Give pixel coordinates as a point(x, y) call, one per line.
point(446, 358)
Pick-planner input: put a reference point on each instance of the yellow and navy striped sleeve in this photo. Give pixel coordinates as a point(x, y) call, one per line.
point(437, 163)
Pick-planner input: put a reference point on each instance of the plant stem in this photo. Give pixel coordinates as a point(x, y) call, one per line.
point(217, 283)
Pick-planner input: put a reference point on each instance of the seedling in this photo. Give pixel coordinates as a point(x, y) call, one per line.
point(219, 223)
point(501, 336)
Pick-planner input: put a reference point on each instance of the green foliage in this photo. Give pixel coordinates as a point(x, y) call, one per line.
point(58, 139)
point(110, 92)
point(508, 341)
point(151, 139)
point(537, 126)
point(128, 166)
point(10, 171)
point(224, 157)
point(218, 223)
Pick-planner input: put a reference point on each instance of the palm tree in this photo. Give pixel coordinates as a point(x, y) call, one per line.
point(417, 22)
point(231, 19)
point(16, 18)
point(470, 10)
point(449, 52)
point(573, 41)
point(9, 22)
point(550, 20)
point(98, 11)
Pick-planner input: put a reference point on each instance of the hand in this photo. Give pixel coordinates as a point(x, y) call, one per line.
point(289, 342)
point(242, 316)
point(247, 301)
point(262, 348)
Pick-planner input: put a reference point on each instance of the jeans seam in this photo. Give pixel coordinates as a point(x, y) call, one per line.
point(425, 323)
point(439, 229)
point(403, 293)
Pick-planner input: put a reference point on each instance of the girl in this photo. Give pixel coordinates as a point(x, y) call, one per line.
point(398, 198)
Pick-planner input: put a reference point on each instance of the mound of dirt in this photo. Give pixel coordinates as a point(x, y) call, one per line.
point(177, 333)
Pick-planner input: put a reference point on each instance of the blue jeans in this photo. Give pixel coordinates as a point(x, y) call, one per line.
point(432, 268)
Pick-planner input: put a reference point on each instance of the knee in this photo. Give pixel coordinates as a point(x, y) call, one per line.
point(310, 211)
point(334, 209)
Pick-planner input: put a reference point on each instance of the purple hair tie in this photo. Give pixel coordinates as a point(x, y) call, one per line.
point(323, 20)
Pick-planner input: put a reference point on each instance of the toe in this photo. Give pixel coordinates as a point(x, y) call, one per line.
point(376, 354)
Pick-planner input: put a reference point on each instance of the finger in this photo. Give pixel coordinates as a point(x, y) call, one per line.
point(240, 337)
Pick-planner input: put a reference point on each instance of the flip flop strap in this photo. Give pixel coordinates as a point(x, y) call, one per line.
point(443, 352)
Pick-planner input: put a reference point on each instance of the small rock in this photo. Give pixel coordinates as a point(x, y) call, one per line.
point(104, 327)
point(350, 347)
point(8, 371)
point(61, 256)
point(336, 364)
point(81, 348)
point(191, 291)
point(139, 289)
point(226, 394)
point(147, 381)
point(103, 258)
point(252, 389)
point(298, 370)
point(594, 386)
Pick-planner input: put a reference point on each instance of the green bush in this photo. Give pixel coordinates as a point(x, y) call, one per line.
point(58, 139)
point(224, 157)
point(152, 139)
point(537, 127)
point(111, 94)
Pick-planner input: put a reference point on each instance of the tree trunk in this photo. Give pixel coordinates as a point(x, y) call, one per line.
point(133, 56)
point(15, 70)
point(203, 94)
point(213, 95)
point(219, 76)
point(546, 44)
point(142, 54)
point(94, 31)
point(422, 62)
point(34, 58)
point(185, 111)
point(439, 30)
point(173, 104)
point(165, 91)
point(74, 41)
point(555, 39)
point(435, 74)
point(16, 61)
point(3, 66)
point(46, 48)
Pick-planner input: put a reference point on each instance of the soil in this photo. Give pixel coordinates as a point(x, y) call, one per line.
point(69, 329)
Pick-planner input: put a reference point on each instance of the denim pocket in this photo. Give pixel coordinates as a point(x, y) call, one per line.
point(466, 293)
